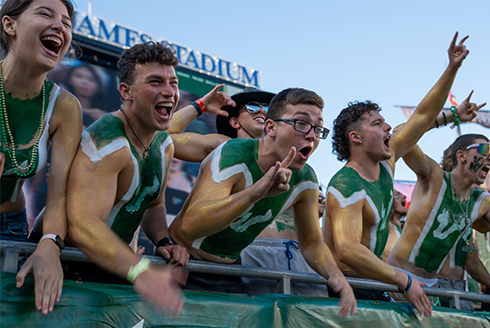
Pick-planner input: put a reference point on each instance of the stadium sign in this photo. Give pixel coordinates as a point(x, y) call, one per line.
point(106, 31)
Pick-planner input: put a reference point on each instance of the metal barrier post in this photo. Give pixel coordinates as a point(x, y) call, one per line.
point(284, 285)
point(457, 302)
point(10, 260)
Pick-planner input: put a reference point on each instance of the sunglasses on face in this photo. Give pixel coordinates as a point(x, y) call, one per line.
point(253, 107)
point(482, 148)
point(321, 198)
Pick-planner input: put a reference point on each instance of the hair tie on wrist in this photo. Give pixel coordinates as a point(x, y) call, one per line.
point(136, 270)
point(409, 285)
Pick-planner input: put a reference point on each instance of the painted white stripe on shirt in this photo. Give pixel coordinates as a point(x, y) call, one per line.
point(388, 168)
point(298, 189)
point(354, 198)
point(129, 194)
point(44, 141)
point(429, 223)
point(89, 148)
point(219, 176)
point(95, 155)
point(163, 148)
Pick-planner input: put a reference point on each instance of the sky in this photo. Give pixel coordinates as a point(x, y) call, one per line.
point(389, 52)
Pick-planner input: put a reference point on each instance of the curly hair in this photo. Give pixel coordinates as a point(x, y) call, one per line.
point(144, 53)
point(349, 119)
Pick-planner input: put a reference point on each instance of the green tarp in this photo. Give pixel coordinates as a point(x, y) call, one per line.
point(102, 305)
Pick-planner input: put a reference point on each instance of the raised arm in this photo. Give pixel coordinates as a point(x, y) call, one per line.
point(89, 208)
point(422, 165)
point(44, 263)
point(428, 109)
point(347, 226)
point(316, 253)
point(213, 101)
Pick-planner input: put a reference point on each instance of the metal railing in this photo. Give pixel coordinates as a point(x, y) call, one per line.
point(10, 252)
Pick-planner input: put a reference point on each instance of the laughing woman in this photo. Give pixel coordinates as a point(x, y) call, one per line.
point(36, 113)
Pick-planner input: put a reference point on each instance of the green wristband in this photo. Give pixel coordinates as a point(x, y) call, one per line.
point(135, 271)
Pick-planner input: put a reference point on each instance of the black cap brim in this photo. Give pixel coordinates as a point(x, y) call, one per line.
point(223, 123)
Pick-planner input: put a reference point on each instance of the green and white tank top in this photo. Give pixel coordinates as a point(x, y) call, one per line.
point(106, 136)
point(443, 228)
point(239, 156)
point(348, 187)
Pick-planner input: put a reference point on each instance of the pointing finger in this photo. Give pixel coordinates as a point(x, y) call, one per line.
point(480, 106)
point(289, 158)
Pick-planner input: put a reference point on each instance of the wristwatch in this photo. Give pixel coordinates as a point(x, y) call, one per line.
point(57, 240)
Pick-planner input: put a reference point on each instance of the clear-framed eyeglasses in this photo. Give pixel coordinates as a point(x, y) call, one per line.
point(305, 127)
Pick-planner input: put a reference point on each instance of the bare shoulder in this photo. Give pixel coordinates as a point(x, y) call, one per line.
point(67, 110)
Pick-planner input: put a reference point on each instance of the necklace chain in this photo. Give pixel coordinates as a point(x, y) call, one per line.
point(146, 149)
point(21, 171)
point(465, 213)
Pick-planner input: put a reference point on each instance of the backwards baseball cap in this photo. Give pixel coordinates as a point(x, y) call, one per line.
point(249, 94)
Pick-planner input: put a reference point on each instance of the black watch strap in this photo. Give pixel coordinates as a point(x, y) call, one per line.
point(165, 241)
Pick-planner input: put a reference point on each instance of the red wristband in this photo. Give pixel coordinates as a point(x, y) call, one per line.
point(201, 105)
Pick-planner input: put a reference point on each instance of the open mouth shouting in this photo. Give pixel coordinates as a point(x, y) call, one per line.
point(164, 110)
point(485, 170)
point(52, 44)
point(387, 141)
point(305, 152)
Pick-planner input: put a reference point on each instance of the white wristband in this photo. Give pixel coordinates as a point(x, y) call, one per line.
point(57, 240)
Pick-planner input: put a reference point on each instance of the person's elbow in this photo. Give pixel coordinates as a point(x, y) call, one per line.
point(345, 253)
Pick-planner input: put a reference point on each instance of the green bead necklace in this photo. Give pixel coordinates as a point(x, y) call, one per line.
point(18, 169)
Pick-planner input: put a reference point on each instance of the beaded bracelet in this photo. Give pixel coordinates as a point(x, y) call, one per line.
point(455, 116)
point(445, 120)
point(136, 270)
point(437, 123)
